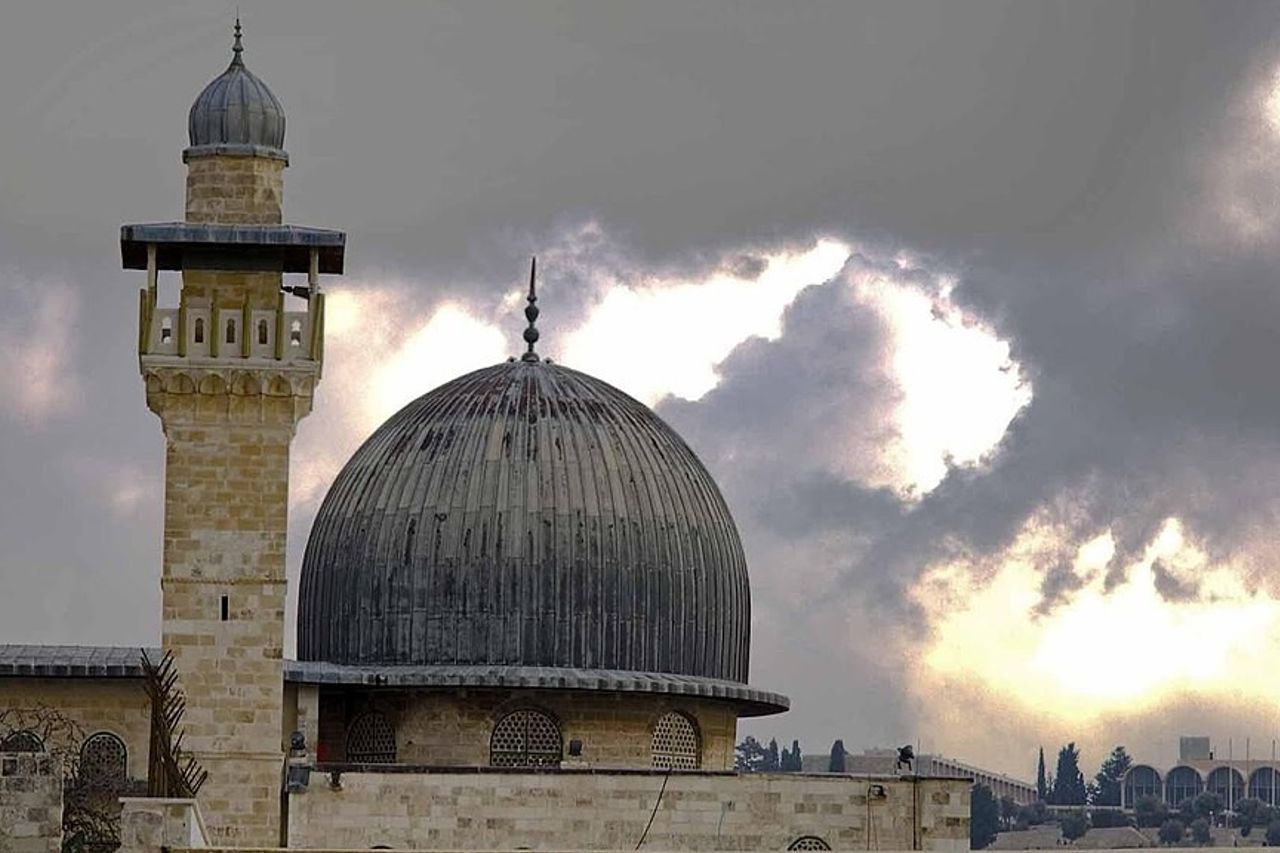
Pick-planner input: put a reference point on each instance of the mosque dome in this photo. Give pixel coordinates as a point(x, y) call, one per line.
point(526, 515)
point(237, 109)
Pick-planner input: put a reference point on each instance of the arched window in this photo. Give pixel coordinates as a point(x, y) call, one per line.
point(1262, 785)
point(166, 329)
point(808, 842)
point(1227, 783)
point(231, 331)
point(22, 740)
point(675, 742)
point(262, 332)
point(103, 758)
point(198, 334)
point(1141, 781)
point(295, 333)
point(526, 738)
point(1182, 783)
point(371, 739)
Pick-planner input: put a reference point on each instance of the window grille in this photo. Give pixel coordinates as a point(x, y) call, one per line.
point(199, 331)
point(22, 741)
point(371, 740)
point(809, 842)
point(675, 742)
point(526, 738)
point(103, 758)
point(262, 332)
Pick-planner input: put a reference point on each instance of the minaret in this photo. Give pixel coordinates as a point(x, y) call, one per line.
point(230, 371)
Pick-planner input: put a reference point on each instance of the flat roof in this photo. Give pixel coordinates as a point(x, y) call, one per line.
point(194, 245)
point(39, 661)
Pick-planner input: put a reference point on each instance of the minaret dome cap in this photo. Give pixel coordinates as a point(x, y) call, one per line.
point(236, 114)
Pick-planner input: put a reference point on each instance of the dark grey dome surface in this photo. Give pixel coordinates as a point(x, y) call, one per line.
point(236, 109)
point(526, 515)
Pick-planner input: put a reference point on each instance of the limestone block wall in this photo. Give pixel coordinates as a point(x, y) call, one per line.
point(453, 728)
point(587, 810)
point(156, 824)
point(30, 803)
point(116, 705)
point(223, 603)
point(235, 189)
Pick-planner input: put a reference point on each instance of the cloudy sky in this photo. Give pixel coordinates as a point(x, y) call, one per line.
point(971, 307)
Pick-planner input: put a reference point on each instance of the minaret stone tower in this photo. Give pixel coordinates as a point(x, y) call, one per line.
point(230, 371)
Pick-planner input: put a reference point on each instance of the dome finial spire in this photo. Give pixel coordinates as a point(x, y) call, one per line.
point(531, 313)
point(237, 48)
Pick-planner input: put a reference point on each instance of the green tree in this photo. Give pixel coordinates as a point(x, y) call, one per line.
point(1110, 777)
point(1068, 781)
point(1251, 812)
point(1074, 825)
point(1009, 809)
point(1200, 830)
point(1273, 834)
point(1042, 781)
point(836, 764)
point(1205, 806)
point(1150, 811)
point(771, 763)
point(1171, 831)
point(1034, 814)
point(984, 817)
point(748, 755)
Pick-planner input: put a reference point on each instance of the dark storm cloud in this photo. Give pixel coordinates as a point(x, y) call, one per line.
point(1052, 156)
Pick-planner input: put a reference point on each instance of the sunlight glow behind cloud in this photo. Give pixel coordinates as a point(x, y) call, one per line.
point(1098, 652)
point(665, 337)
point(37, 349)
point(957, 388)
point(960, 387)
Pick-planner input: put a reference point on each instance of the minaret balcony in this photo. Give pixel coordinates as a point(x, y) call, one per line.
point(233, 335)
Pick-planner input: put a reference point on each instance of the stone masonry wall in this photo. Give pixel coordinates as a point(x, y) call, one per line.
point(223, 602)
point(30, 803)
point(576, 810)
point(231, 189)
point(116, 705)
point(454, 727)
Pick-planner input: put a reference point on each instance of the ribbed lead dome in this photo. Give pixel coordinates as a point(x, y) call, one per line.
point(236, 109)
point(526, 515)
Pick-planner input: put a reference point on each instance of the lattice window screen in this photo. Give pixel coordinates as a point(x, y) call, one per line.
point(526, 738)
point(22, 741)
point(675, 743)
point(371, 740)
point(809, 842)
point(103, 758)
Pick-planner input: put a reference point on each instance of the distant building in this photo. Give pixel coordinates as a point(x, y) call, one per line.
point(1201, 768)
point(880, 761)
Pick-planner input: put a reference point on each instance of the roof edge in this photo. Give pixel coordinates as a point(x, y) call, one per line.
point(234, 149)
point(751, 701)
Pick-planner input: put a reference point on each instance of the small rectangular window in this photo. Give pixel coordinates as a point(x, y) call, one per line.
point(226, 608)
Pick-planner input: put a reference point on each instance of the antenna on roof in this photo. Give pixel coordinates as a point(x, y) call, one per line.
point(531, 313)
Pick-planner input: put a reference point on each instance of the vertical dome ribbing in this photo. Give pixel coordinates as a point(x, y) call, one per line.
point(527, 515)
point(236, 109)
